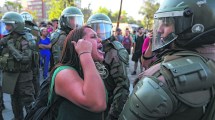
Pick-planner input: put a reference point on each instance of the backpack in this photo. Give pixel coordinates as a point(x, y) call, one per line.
point(45, 107)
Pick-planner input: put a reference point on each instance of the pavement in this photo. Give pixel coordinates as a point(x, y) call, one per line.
point(8, 113)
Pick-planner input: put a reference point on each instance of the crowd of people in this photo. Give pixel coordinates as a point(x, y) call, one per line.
point(88, 64)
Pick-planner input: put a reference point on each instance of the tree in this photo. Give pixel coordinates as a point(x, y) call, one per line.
point(148, 11)
point(87, 13)
point(103, 10)
point(106, 12)
point(13, 6)
point(57, 6)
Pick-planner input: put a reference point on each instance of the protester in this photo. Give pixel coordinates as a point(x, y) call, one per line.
point(119, 36)
point(137, 50)
point(127, 41)
point(147, 57)
point(80, 83)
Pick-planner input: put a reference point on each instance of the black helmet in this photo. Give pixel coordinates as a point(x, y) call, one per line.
point(69, 15)
point(15, 20)
point(102, 24)
point(188, 22)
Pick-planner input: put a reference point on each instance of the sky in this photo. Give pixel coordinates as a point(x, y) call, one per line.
point(130, 6)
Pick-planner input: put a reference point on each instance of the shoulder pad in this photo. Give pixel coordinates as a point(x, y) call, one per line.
point(36, 28)
point(55, 35)
point(27, 29)
point(122, 52)
point(191, 78)
point(117, 45)
point(149, 99)
point(30, 38)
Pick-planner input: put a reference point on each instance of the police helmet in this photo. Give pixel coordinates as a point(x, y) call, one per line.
point(190, 23)
point(15, 20)
point(71, 18)
point(102, 24)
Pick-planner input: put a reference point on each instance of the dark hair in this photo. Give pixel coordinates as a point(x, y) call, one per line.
point(55, 19)
point(139, 28)
point(69, 55)
point(49, 23)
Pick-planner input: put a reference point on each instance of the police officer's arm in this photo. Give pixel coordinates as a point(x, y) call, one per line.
point(25, 55)
point(119, 74)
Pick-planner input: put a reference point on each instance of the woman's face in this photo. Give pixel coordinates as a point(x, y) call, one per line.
point(91, 36)
point(45, 32)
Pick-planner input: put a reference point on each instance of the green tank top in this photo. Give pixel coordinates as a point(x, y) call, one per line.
point(69, 111)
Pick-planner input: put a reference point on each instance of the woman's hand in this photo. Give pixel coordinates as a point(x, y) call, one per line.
point(82, 46)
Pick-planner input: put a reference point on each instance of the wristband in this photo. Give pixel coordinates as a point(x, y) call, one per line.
point(83, 53)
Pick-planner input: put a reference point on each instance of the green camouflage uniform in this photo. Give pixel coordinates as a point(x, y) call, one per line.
point(57, 40)
point(15, 60)
point(34, 30)
point(117, 82)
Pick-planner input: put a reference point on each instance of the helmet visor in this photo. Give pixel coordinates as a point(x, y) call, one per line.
point(3, 30)
point(164, 32)
point(27, 17)
point(168, 26)
point(75, 21)
point(103, 30)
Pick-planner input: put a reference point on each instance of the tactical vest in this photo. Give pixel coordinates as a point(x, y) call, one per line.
point(7, 60)
point(180, 86)
point(56, 48)
point(190, 78)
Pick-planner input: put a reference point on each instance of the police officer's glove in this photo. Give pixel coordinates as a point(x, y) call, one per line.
point(3, 41)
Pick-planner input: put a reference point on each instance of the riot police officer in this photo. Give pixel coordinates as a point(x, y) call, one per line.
point(70, 18)
point(15, 60)
point(114, 66)
point(180, 84)
point(34, 30)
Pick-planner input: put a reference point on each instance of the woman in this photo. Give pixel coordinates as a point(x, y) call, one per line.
point(80, 85)
point(45, 54)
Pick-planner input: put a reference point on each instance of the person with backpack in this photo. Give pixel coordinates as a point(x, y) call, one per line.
point(180, 84)
point(79, 83)
point(127, 41)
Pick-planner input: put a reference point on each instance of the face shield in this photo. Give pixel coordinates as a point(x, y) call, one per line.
point(103, 30)
point(27, 17)
point(74, 21)
point(168, 26)
point(3, 30)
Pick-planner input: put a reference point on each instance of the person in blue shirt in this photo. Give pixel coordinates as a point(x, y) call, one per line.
point(45, 46)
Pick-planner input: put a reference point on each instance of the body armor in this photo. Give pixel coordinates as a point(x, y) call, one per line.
point(117, 82)
point(16, 57)
point(180, 85)
point(57, 40)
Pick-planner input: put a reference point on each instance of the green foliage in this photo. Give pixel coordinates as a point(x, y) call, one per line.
point(57, 6)
point(147, 10)
point(113, 15)
point(87, 13)
point(13, 6)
